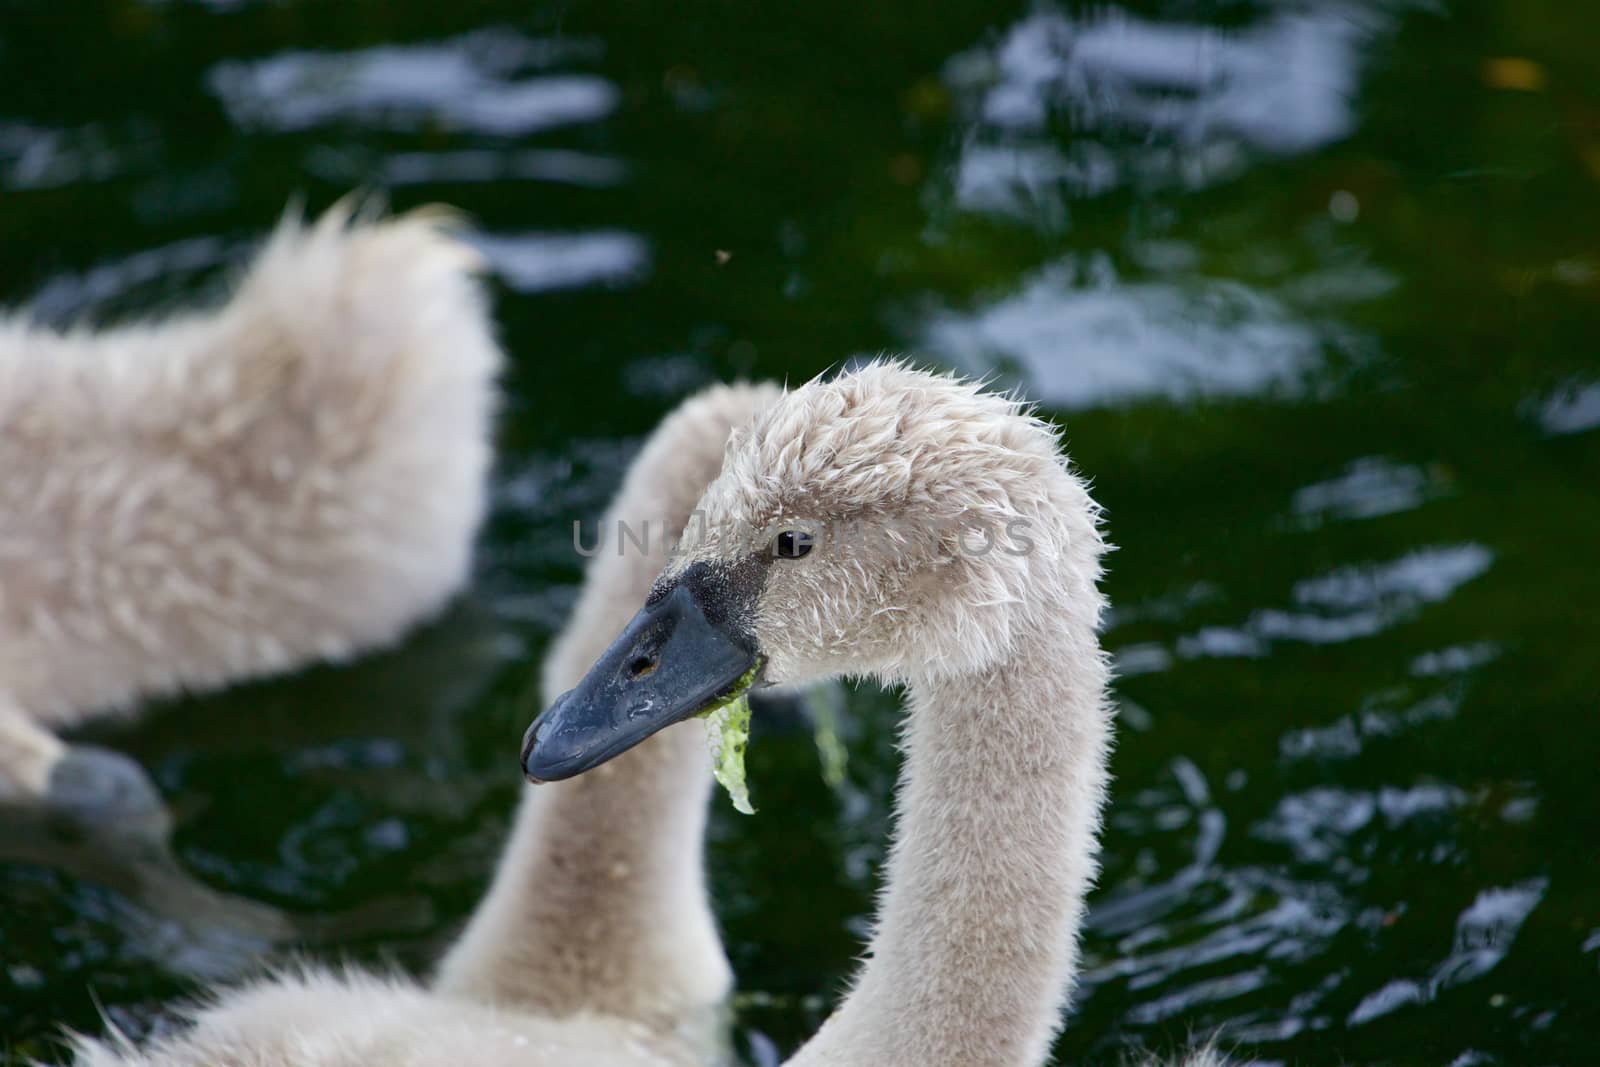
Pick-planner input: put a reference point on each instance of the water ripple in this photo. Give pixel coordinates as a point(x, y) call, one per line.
point(1573, 409)
point(536, 262)
point(1162, 101)
point(71, 295)
point(1368, 488)
point(1348, 603)
point(474, 166)
point(473, 83)
point(1084, 338)
point(1484, 934)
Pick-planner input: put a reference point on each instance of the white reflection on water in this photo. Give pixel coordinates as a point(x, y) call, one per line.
point(1368, 487)
point(1083, 338)
point(1484, 934)
point(1200, 937)
point(535, 262)
point(41, 157)
point(1349, 603)
point(1573, 409)
point(1420, 577)
point(528, 262)
point(1345, 737)
point(531, 164)
point(1314, 825)
point(1152, 102)
point(70, 296)
point(477, 83)
point(1144, 933)
point(1456, 659)
point(1063, 108)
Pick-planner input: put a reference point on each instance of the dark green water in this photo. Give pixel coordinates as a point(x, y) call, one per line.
point(1314, 288)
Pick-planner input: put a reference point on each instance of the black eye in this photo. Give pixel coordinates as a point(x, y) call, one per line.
point(791, 544)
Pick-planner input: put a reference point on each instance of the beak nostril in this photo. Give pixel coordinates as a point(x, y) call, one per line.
point(642, 666)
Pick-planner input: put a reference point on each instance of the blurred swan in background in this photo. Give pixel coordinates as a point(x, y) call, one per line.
point(596, 944)
point(295, 476)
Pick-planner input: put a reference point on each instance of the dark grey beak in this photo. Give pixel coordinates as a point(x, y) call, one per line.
point(670, 663)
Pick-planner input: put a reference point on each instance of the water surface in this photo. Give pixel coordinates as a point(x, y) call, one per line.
point(1314, 288)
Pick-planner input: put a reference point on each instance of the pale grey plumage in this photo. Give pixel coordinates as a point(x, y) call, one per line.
point(1008, 727)
point(294, 476)
point(1007, 736)
point(596, 945)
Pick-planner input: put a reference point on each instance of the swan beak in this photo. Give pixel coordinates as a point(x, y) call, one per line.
point(671, 663)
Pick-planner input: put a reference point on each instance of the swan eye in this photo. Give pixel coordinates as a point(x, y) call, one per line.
point(791, 544)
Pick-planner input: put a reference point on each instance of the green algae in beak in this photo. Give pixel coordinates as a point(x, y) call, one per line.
point(728, 731)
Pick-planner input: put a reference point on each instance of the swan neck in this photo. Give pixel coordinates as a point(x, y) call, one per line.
point(600, 897)
point(996, 835)
point(599, 902)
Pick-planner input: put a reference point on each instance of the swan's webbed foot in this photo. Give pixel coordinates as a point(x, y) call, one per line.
point(99, 788)
point(102, 793)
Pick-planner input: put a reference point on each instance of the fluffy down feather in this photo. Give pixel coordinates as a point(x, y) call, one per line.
point(596, 946)
point(294, 476)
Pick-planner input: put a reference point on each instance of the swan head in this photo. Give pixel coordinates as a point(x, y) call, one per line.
point(888, 522)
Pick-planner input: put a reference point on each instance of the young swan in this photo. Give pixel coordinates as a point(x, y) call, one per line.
point(295, 476)
point(897, 478)
point(596, 946)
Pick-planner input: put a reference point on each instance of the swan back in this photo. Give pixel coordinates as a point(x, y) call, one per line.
point(318, 1018)
point(296, 475)
point(596, 945)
